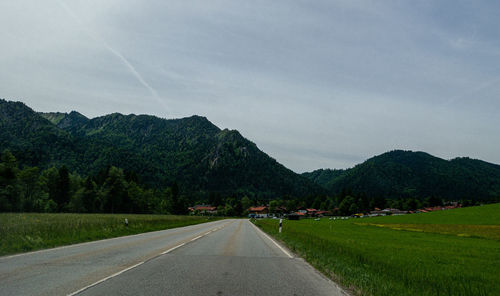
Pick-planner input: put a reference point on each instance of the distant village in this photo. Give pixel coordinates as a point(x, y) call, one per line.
point(265, 211)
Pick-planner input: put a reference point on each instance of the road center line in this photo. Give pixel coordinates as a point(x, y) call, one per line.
point(134, 266)
point(106, 278)
point(171, 249)
point(274, 242)
point(178, 246)
point(128, 268)
point(196, 237)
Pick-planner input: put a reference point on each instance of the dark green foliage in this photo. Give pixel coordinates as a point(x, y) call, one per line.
point(418, 175)
point(9, 187)
point(179, 205)
point(30, 188)
point(152, 151)
point(31, 138)
point(88, 195)
point(323, 176)
point(62, 188)
point(115, 198)
point(346, 205)
point(53, 190)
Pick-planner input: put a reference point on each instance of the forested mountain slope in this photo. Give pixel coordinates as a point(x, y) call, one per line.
point(191, 151)
point(400, 173)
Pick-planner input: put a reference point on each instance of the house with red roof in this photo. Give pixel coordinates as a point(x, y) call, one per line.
point(260, 211)
point(323, 213)
point(311, 212)
point(300, 214)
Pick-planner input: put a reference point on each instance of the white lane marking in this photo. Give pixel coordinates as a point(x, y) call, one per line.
point(175, 230)
point(274, 242)
point(126, 269)
point(196, 238)
point(115, 274)
point(178, 246)
point(106, 278)
point(171, 249)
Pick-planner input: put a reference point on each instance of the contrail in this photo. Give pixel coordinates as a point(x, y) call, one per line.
point(115, 52)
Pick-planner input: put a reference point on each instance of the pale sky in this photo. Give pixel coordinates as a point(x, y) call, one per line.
point(315, 84)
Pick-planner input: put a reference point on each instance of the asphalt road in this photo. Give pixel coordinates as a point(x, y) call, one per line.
point(229, 257)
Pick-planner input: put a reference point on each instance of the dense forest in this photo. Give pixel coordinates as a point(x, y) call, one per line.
point(192, 152)
point(114, 190)
point(417, 175)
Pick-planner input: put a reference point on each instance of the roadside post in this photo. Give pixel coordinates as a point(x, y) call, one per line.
point(126, 222)
point(281, 224)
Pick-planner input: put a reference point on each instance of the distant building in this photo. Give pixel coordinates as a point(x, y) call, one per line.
point(323, 213)
point(203, 209)
point(311, 212)
point(388, 211)
point(454, 205)
point(280, 211)
point(261, 211)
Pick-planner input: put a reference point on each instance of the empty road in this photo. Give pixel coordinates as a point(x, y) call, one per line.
point(229, 257)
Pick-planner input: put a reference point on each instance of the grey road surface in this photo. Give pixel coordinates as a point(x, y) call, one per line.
point(229, 257)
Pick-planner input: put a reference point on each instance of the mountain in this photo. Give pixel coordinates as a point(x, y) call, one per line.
point(323, 176)
point(32, 138)
point(191, 151)
point(400, 173)
point(66, 121)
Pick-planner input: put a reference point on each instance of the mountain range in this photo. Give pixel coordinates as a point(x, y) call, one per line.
point(193, 152)
point(401, 174)
point(204, 159)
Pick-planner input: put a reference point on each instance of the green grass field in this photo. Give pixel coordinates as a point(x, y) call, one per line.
point(28, 232)
point(454, 252)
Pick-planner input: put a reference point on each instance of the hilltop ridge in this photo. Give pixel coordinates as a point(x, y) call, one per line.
point(402, 174)
point(191, 151)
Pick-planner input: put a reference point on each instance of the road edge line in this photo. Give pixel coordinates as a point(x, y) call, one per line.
point(271, 239)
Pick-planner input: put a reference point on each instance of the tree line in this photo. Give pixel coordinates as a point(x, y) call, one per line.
point(111, 190)
point(348, 203)
point(114, 190)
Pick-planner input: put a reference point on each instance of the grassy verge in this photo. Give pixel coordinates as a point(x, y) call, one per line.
point(29, 232)
point(455, 252)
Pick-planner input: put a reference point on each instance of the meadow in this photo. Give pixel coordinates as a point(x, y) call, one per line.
point(454, 252)
point(22, 232)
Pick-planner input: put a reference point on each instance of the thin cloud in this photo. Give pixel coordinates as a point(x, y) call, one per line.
point(467, 95)
point(116, 53)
